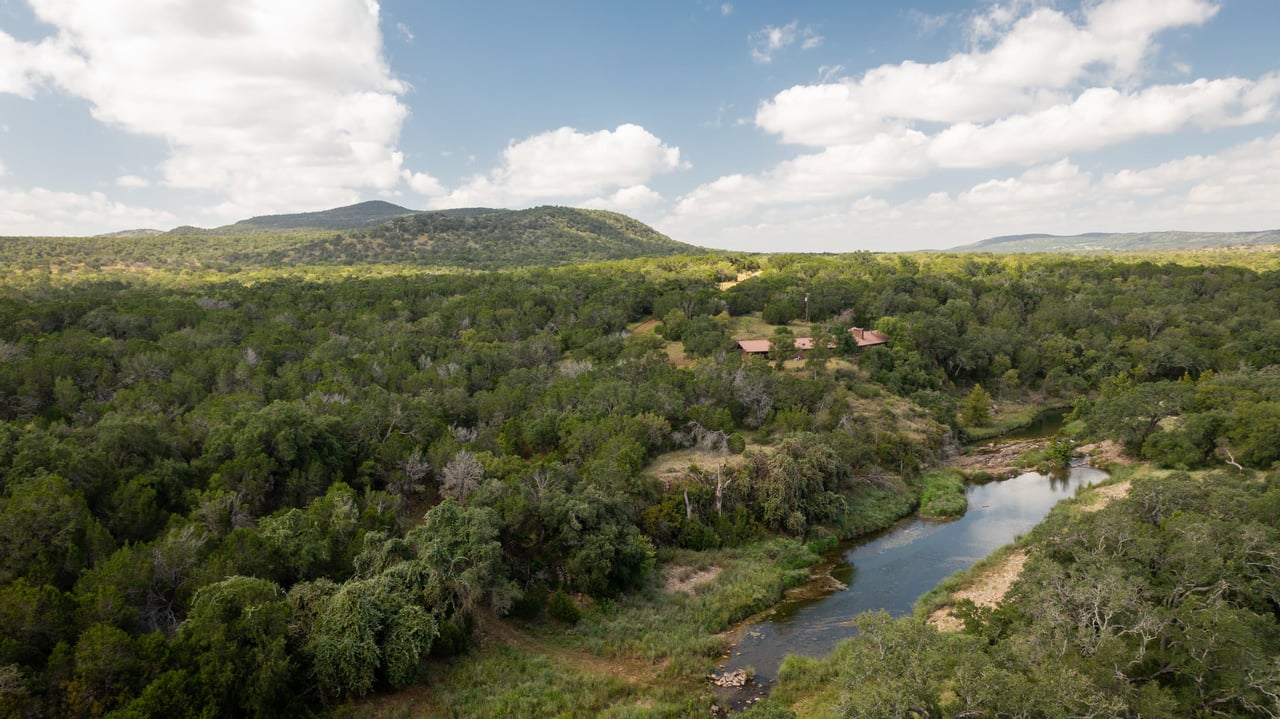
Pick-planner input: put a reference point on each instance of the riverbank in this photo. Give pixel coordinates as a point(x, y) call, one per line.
point(988, 581)
point(651, 652)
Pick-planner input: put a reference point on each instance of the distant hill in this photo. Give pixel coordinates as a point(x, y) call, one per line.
point(363, 214)
point(141, 232)
point(1121, 242)
point(472, 238)
point(496, 239)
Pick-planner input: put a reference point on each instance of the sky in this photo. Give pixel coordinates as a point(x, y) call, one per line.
point(824, 126)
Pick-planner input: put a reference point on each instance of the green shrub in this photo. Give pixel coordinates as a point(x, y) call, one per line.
point(943, 494)
point(561, 607)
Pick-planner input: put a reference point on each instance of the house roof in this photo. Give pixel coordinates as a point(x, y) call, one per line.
point(804, 343)
point(754, 346)
point(866, 338)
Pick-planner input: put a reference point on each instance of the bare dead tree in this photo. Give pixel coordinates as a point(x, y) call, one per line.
point(1223, 449)
point(414, 470)
point(461, 476)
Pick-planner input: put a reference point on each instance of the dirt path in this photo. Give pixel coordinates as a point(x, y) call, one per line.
point(741, 276)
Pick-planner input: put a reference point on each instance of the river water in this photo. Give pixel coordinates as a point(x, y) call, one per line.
point(891, 570)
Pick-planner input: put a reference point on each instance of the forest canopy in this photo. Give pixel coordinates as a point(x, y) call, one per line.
point(268, 493)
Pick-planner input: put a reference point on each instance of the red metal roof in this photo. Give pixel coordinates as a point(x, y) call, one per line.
point(754, 346)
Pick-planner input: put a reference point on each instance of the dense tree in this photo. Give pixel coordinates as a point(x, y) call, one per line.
point(236, 467)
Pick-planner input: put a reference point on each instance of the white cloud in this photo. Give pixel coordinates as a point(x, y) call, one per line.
point(1036, 86)
point(828, 73)
point(1048, 183)
point(1103, 116)
point(424, 184)
point(405, 32)
point(132, 181)
point(726, 9)
point(766, 43)
point(274, 105)
point(1233, 190)
point(626, 199)
point(1034, 61)
point(567, 164)
point(44, 212)
point(1237, 185)
point(837, 171)
point(927, 24)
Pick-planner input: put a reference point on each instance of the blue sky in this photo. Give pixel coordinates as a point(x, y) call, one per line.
point(811, 126)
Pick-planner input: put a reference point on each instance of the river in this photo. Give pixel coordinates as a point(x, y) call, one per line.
point(891, 570)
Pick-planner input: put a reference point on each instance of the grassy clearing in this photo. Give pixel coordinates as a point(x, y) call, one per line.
point(671, 465)
point(752, 326)
point(1008, 416)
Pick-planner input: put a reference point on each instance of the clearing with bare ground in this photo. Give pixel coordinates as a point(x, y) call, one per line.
point(688, 579)
point(987, 588)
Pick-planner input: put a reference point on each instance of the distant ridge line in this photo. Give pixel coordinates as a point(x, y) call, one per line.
point(1096, 242)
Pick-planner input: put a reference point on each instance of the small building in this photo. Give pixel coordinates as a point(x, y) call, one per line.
point(762, 347)
point(868, 338)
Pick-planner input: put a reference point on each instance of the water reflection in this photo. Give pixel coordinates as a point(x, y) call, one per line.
point(890, 571)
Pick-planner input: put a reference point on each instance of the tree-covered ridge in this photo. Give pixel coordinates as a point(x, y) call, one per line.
point(496, 240)
point(264, 496)
point(1100, 242)
point(472, 239)
point(363, 214)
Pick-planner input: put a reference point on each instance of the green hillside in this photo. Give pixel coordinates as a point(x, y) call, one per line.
point(496, 240)
point(469, 238)
point(1098, 242)
point(364, 214)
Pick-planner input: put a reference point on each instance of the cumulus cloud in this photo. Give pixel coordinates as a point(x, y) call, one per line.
point(626, 199)
point(132, 181)
point(568, 164)
point(274, 105)
point(1232, 190)
point(1103, 116)
point(45, 212)
point(835, 172)
point(424, 184)
point(1036, 86)
point(1036, 60)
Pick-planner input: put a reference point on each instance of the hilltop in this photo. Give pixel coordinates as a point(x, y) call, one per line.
point(1098, 242)
point(471, 238)
point(363, 214)
point(498, 238)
